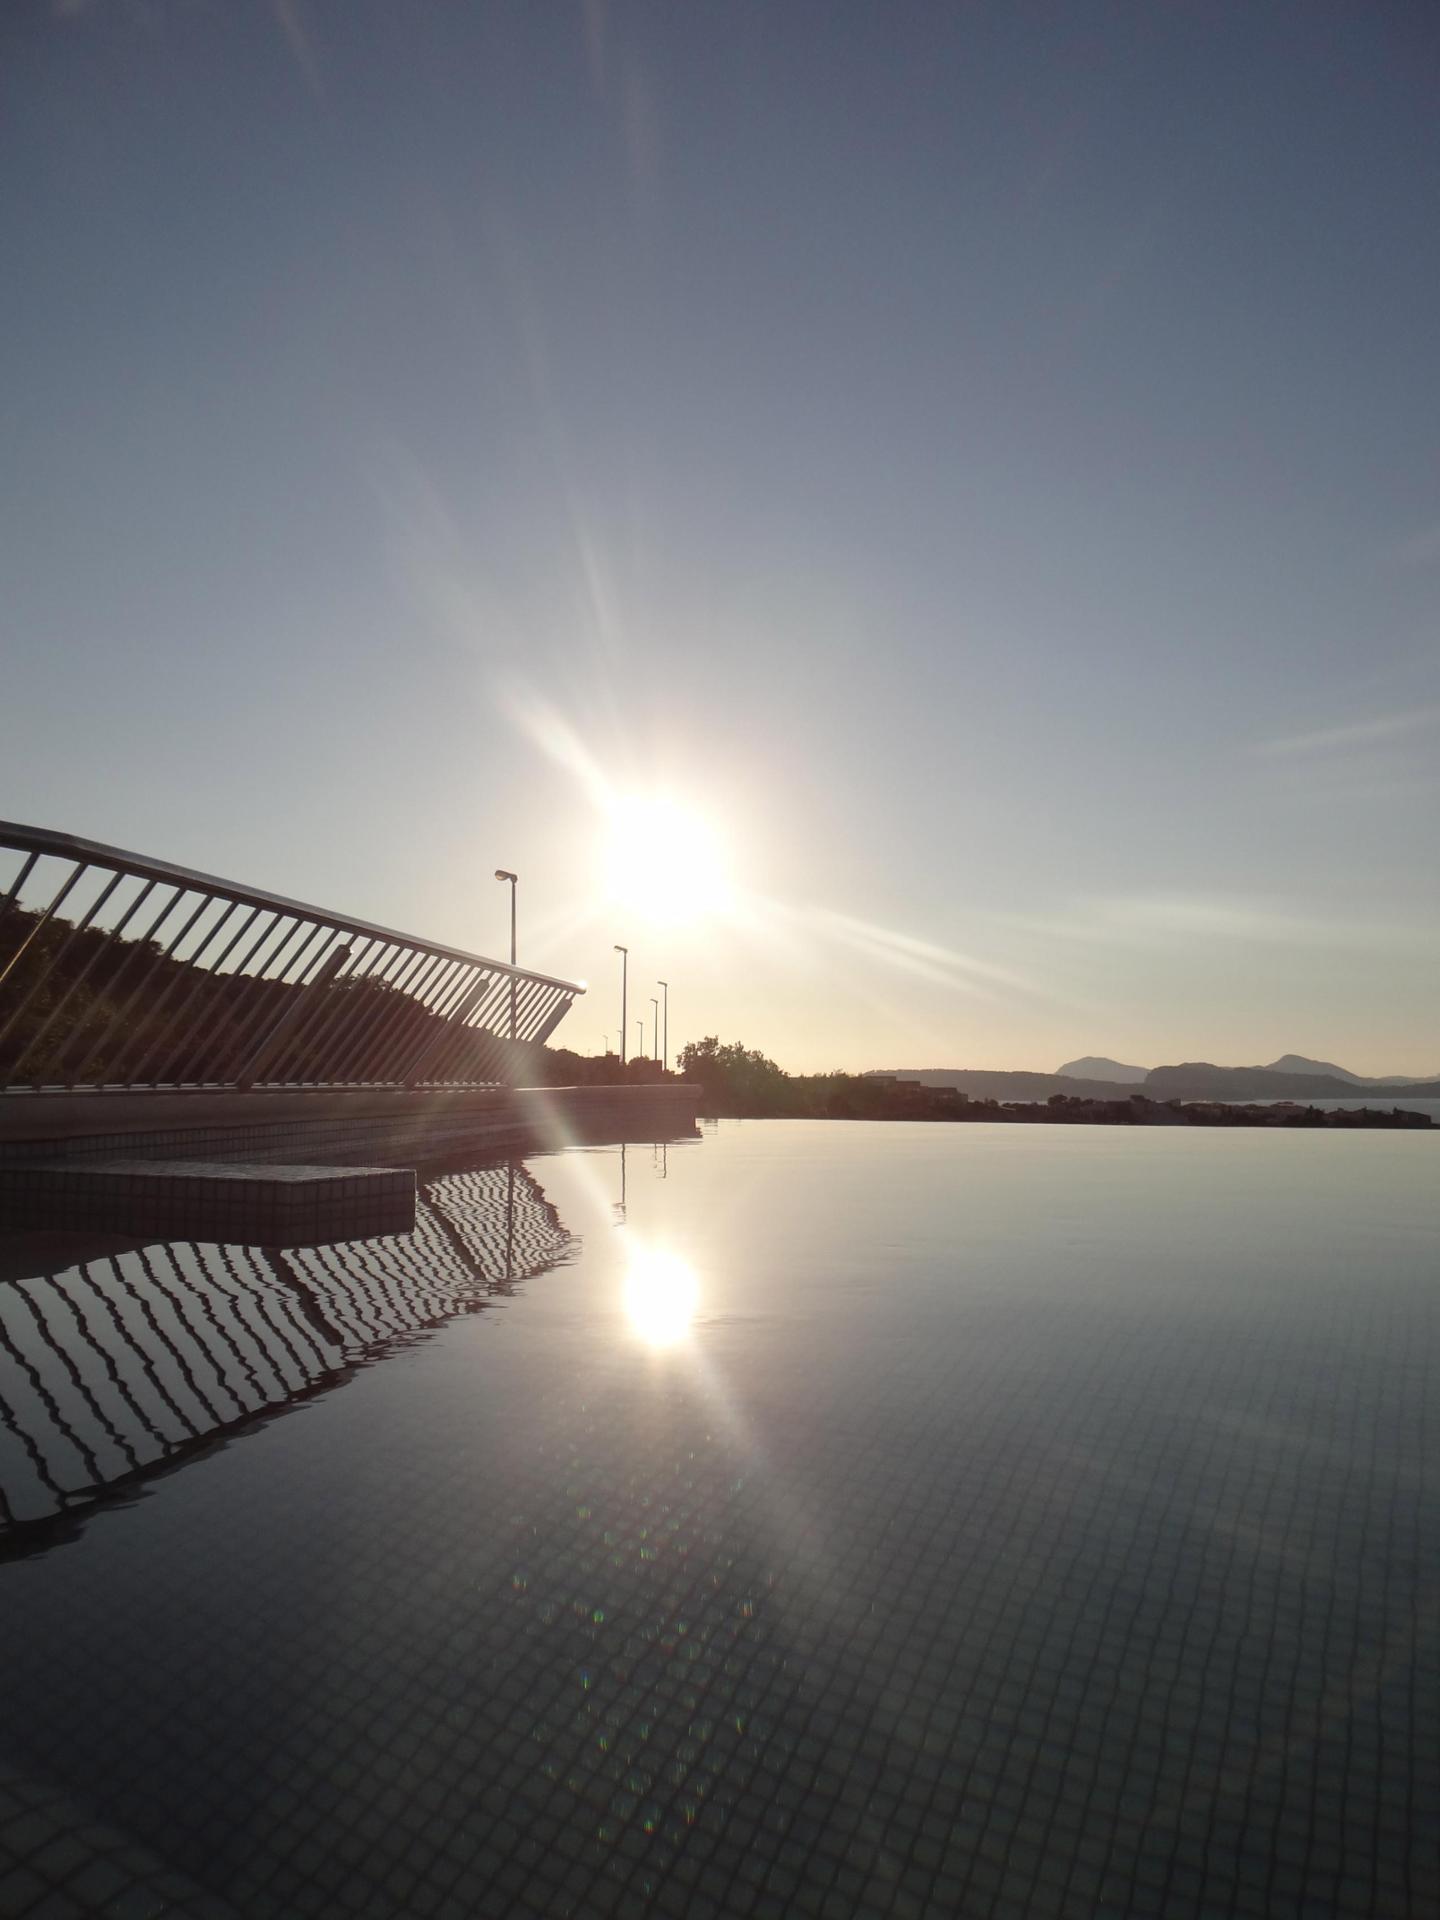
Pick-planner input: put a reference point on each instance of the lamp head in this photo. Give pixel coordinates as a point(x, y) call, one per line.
point(501, 874)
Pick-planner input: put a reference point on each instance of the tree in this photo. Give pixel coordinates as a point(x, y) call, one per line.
point(736, 1079)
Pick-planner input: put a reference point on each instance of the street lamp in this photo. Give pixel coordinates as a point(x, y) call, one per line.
point(641, 1054)
point(655, 1024)
point(502, 873)
point(624, 973)
point(665, 1050)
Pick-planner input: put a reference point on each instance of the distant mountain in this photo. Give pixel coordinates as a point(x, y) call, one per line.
point(1201, 1080)
point(1193, 1080)
point(1096, 1066)
point(985, 1083)
point(1297, 1063)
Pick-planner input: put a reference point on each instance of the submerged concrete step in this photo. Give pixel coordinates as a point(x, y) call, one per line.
point(227, 1201)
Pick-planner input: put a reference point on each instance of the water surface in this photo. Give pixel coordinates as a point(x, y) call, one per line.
point(872, 1519)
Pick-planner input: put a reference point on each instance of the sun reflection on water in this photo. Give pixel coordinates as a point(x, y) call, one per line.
point(661, 1294)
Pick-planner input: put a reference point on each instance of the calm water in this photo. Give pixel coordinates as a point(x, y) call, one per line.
point(881, 1520)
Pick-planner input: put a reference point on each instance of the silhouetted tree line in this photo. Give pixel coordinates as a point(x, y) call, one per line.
point(741, 1083)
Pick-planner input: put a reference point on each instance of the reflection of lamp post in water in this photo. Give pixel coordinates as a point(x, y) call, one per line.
point(509, 1221)
point(502, 874)
point(624, 953)
point(620, 1203)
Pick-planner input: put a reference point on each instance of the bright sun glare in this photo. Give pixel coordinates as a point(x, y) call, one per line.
point(661, 1292)
point(665, 862)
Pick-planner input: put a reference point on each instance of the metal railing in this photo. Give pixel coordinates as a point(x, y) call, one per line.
point(121, 971)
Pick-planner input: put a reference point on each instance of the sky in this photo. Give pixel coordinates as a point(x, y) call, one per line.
point(923, 521)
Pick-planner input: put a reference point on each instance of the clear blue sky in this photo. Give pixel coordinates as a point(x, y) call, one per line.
point(982, 458)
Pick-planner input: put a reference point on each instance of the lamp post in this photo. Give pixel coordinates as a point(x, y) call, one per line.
point(655, 1024)
point(501, 873)
point(624, 952)
point(641, 1054)
point(665, 1048)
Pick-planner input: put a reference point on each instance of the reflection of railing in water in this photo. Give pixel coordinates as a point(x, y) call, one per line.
point(118, 1367)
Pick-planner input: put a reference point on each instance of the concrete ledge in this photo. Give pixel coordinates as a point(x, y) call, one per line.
point(227, 1202)
point(399, 1127)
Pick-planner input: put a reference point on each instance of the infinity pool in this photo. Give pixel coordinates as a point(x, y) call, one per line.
point(811, 1519)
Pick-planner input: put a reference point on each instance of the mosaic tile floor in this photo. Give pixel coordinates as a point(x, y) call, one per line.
point(1047, 1527)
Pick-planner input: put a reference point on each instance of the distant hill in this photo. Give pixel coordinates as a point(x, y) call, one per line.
point(1096, 1066)
point(1201, 1080)
point(1192, 1080)
point(983, 1083)
point(1297, 1063)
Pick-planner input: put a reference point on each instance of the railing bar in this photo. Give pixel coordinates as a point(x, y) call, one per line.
point(293, 1010)
point(309, 1036)
point(180, 980)
point(254, 991)
point(259, 1004)
point(14, 893)
point(141, 948)
point(183, 1059)
point(310, 1005)
point(40, 925)
point(444, 1014)
point(80, 927)
point(412, 1028)
point(450, 1046)
point(112, 1072)
point(531, 1004)
point(108, 946)
point(349, 1004)
point(360, 1045)
point(528, 1003)
point(24, 1005)
point(348, 1046)
point(346, 1042)
point(495, 996)
point(386, 1032)
point(490, 1061)
point(482, 1055)
point(557, 1014)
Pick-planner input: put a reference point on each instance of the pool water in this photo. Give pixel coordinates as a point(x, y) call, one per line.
point(856, 1519)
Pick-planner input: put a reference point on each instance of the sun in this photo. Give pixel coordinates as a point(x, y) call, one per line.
point(665, 863)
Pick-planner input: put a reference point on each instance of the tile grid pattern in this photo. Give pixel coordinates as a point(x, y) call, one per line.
point(1138, 1620)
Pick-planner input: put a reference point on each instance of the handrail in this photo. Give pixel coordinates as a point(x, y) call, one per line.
point(155, 975)
point(42, 840)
